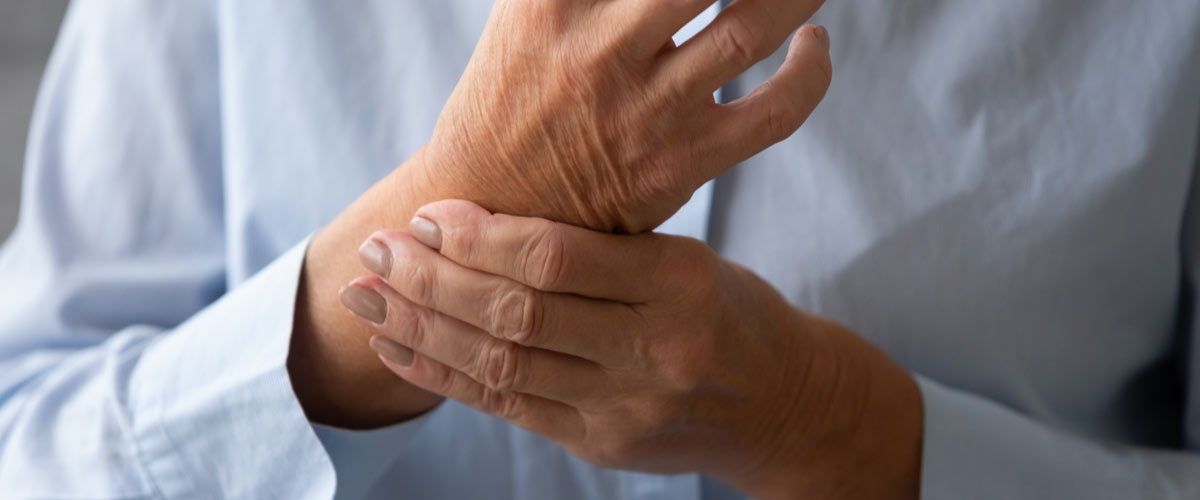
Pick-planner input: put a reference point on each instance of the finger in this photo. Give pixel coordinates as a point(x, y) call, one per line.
point(777, 108)
point(650, 24)
point(591, 329)
point(552, 419)
point(498, 364)
point(743, 34)
point(556, 257)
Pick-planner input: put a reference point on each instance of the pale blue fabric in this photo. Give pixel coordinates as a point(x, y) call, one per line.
point(993, 192)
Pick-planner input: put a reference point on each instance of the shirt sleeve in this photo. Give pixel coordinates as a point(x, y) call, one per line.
point(129, 366)
point(977, 448)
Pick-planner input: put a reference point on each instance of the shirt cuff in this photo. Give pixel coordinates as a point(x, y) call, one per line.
point(975, 448)
point(212, 406)
point(360, 458)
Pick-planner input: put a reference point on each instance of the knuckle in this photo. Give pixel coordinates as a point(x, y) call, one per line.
point(686, 365)
point(464, 243)
point(544, 260)
point(499, 366)
point(658, 414)
point(741, 43)
point(689, 370)
point(419, 282)
point(517, 315)
point(491, 402)
point(782, 121)
point(685, 373)
point(440, 379)
point(411, 324)
point(502, 404)
point(694, 265)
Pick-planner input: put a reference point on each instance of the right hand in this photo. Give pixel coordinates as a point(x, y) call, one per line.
point(585, 112)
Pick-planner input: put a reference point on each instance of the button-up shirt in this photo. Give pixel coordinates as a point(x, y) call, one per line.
point(995, 193)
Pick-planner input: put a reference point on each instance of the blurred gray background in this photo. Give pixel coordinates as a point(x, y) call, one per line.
point(27, 31)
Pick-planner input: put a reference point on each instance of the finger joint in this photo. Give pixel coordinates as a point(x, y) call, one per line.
point(740, 42)
point(500, 403)
point(500, 366)
point(517, 315)
point(544, 259)
point(419, 282)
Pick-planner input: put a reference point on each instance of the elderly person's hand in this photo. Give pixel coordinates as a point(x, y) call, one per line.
point(644, 352)
point(577, 111)
point(584, 111)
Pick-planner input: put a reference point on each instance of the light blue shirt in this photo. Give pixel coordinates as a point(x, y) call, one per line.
point(993, 192)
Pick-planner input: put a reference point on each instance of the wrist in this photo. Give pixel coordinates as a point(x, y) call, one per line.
point(337, 379)
point(521, 182)
point(857, 430)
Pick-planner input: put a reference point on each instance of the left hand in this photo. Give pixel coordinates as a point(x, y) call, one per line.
point(645, 352)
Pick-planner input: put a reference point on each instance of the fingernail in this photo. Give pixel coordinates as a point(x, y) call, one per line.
point(425, 231)
point(365, 302)
point(822, 35)
point(375, 257)
point(390, 350)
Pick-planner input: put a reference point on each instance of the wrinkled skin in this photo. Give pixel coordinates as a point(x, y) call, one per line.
point(585, 113)
point(577, 111)
point(646, 352)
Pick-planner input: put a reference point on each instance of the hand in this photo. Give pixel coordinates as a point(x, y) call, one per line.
point(578, 111)
point(643, 352)
point(585, 112)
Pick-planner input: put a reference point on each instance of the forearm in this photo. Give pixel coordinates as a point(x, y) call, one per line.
point(336, 376)
point(872, 434)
